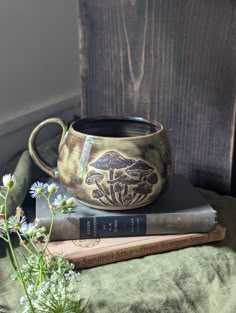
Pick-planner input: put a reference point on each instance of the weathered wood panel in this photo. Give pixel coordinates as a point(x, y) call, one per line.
point(172, 61)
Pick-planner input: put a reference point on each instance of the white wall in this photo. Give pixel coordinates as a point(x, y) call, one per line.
point(39, 70)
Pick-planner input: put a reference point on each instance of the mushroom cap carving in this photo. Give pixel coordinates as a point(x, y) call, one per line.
point(97, 194)
point(112, 160)
point(139, 168)
point(124, 179)
point(93, 177)
point(153, 178)
point(143, 188)
point(118, 187)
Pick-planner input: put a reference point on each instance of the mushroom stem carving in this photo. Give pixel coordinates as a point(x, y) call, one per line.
point(111, 175)
point(140, 198)
point(128, 199)
point(98, 194)
point(118, 188)
point(104, 193)
point(94, 177)
point(125, 190)
point(135, 195)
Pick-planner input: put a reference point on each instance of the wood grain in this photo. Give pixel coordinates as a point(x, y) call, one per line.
point(171, 61)
point(93, 252)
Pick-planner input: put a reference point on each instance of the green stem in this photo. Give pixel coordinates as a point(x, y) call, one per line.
point(42, 252)
point(13, 268)
point(51, 225)
point(34, 246)
point(50, 230)
point(4, 238)
point(23, 244)
point(40, 275)
point(16, 264)
point(1, 195)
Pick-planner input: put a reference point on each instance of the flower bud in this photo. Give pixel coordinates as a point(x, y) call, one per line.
point(8, 181)
point(16, 226)
point(39, 190)
point(43, 230)
point(52, 188)
point(62, 203)
point(30, 232)
point(70, 201)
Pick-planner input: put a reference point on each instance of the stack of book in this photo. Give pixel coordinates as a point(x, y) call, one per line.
point(89, 237)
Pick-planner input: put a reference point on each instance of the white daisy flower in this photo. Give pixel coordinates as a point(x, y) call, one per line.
point(30, 229)
point(8, 181)
point(16, 222)
point(37, 189)
point(60, 201)
point(24, 228)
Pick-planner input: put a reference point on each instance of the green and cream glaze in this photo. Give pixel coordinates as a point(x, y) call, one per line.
point(110, 173)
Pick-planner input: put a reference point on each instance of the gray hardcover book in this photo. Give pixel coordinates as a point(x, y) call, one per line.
point(181, 209)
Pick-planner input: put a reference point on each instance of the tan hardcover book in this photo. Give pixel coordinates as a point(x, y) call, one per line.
point(87, 253)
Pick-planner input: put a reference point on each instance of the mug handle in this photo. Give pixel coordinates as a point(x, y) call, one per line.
point(32, 149)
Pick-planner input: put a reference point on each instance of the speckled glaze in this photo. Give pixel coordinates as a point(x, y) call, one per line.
point(111, 163)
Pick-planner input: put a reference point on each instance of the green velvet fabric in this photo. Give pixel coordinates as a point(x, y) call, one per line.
point(197, 279)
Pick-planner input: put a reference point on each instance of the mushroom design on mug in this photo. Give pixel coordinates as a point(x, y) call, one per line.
point(120, 181)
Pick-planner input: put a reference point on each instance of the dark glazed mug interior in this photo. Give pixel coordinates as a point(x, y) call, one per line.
point(106, 126)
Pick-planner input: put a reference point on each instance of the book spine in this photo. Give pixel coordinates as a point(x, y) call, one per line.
point(130, 225)
point(141, 224)
point(125, 253)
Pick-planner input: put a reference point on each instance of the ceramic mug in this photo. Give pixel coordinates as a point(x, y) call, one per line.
point(110, 163)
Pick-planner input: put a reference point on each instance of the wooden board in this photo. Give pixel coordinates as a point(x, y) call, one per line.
point(171, 61)
point(87, 253)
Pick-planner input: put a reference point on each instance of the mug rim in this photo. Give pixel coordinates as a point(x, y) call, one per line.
point(122, 118)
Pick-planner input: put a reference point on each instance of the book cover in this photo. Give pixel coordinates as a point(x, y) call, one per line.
point(181, 209)
point(85, 253)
